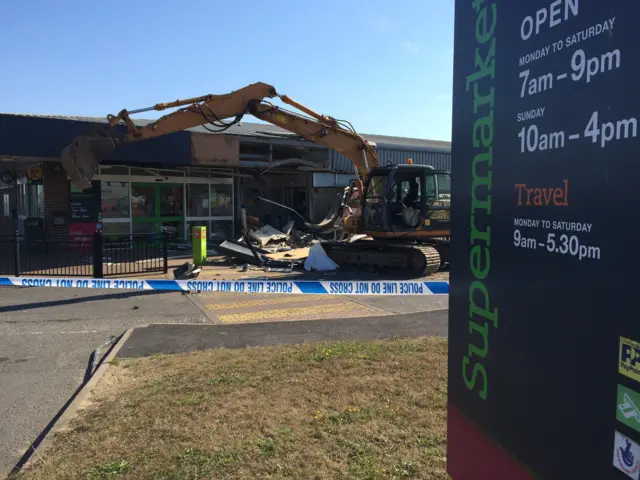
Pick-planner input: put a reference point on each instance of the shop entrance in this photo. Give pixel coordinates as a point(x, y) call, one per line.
point(155, 207)
point(132, 203)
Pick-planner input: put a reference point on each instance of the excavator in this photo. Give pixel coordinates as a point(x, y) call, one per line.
point(398, 214)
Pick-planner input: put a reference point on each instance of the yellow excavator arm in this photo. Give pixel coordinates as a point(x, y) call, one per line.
point(81, 158)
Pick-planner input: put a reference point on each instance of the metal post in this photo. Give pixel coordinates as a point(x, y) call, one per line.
point(165, 253)
point(16, 254)
point(97, 255)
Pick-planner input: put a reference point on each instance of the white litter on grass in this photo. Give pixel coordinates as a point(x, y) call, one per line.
point(319, 260)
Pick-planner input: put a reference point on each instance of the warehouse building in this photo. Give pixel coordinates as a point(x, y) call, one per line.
point(185, 179)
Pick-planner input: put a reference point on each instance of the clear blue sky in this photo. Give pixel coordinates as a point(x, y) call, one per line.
point(386, 66)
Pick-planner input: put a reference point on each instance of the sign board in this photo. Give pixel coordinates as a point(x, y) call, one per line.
point(215, 150)
point(545, 170)
point(84, 205)
point(81, 233)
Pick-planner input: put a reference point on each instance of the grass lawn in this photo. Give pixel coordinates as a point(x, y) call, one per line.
point(374, 410)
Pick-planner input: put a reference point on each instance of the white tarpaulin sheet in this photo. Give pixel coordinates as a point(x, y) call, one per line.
point(319, 260)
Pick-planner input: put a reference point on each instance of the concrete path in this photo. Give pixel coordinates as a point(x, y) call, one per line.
point(171, 339)
point(46, 339)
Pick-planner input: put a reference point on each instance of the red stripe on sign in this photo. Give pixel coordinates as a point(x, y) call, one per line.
point(472, 455)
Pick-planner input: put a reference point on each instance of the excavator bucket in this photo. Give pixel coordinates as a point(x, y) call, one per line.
point(81, 158)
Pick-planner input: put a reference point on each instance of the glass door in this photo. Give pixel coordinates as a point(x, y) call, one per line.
point(170, 210)
point(157, 206)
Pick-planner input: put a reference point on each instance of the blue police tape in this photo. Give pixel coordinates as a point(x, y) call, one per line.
point(393, 287)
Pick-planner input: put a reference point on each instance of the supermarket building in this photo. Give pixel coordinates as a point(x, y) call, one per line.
point(188, 178)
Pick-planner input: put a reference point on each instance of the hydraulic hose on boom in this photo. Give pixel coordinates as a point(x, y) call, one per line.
point(81, 158)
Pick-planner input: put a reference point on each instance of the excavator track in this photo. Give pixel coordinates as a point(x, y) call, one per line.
point(421, 260)
point(432, 258)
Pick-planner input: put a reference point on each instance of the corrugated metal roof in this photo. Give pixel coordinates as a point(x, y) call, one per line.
point(252, 129)
point(405, 142)
point(438, 160)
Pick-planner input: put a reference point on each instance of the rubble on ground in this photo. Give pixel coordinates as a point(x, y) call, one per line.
point(297, 246)
point(269, 248)
point(267, 234)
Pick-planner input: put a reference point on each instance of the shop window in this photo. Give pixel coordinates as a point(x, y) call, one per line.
point(31, 200)
point(143, 200)
point(115, 199)
point(116, 230)
point(220, 230)
point(221, 201)
point(198, 204)
point(198, 200)
point(171, 201)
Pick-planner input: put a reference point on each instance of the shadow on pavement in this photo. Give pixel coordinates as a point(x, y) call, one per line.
point(72, 301)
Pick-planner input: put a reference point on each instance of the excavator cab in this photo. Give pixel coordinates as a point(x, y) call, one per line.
point(407, 198)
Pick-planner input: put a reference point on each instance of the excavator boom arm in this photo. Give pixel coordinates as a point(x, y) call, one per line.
point(200, 111)
point(82, 156)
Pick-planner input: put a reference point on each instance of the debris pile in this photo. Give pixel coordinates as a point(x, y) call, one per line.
point(297, 245)
point(272, 249)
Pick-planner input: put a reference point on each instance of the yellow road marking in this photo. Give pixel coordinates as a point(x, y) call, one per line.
point(266, 301)
point(332, 310)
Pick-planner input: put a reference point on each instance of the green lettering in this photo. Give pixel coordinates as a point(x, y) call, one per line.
point(486, 66)
point(478, 368)
point(483, 330)
point(484, 311)
point(479, 101)
point(476, 4)
point(481, 181)
point(477, 269)
point(482, 34)
point(484, 126)
point(481, 188)
point(478, 235)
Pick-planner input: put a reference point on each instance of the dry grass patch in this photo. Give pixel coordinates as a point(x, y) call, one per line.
point(373, 410)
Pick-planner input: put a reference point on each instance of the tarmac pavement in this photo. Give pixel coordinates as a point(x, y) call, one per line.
point(46, 339)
